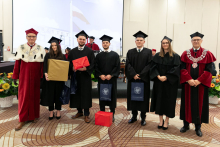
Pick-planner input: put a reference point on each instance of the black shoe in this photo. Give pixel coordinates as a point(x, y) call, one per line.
point(165, 128)
point(58, 117)
point(199, 133)
point(113, 120)
point(143, 122)
point(160, 127)
point(132, 120)
point(184, 129)
point(50, 118)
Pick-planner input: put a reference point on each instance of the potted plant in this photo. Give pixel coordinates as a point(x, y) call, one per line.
point(94, 80)
point(214, 91)
point(7, 90)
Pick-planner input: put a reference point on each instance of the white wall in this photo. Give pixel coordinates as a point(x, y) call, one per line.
point(158, 18)
point(6, 20)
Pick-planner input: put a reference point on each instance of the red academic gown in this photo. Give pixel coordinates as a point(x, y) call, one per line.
point(194, 100)
point(29, 75)
point(93, 46)
point(66, 55)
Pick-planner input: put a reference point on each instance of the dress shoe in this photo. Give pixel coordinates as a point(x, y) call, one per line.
point(35, 120)
point(199, 132)
point(143, 122)
point(58, 117)
point(165, 128)
point(160, 127)
point(19, 126)
point(184, 129)
point(50, 118)
point(77, 115)
point(113, 119)
point(132, 120)
point(87, 119)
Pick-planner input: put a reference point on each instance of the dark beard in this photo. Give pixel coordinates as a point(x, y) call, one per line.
point(106, 48)
point(81, 45)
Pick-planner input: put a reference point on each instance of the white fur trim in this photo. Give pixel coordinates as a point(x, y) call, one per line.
point(29, 53)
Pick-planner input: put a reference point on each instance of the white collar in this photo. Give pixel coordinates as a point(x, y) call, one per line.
point(196, 49)
point(81, 48)
point(109, 50)
point(140, 49)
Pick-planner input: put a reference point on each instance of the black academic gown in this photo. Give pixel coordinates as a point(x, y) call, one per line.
point(83, 97)
point(138, 63)
point(164, 94)
point(108, 63)
point(51, 90)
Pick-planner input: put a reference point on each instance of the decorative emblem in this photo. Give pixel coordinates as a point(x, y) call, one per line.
point(195, 60)
point(137, 90)
point(105, 91)
point(38, 47)
point(22, 47)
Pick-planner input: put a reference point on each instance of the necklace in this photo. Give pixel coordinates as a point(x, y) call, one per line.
point(195, 60)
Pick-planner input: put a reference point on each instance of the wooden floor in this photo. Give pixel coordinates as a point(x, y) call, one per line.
point(68, 132)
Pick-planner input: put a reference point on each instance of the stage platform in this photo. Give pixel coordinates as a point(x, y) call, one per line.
point(68, 132)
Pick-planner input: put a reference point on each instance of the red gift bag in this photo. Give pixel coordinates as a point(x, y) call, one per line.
point(80, 63)
point(103, 118)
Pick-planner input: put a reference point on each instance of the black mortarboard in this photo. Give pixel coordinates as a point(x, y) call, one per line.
point(140, 34)
point(196, 34)
point(68, 48)
point(165, 37)
point(82, 33)
point(54, 39)
point(46, 48)
point(106, 38)
point(92, 37)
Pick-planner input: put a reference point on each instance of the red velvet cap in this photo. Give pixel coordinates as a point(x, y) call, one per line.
point(31, 31)
point(154, 50)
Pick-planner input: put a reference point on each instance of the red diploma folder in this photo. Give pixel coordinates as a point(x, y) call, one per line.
point(80, 63)
point(103, 118)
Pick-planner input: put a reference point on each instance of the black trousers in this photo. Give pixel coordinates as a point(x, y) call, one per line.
point(57, 107)
point(186, 124)
point(86, 111)
point(135, 113)
point(102, 108)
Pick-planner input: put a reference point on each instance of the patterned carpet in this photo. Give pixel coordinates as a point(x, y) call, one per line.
point(68, 132)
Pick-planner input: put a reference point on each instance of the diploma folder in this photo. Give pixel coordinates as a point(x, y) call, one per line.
point(58, 70)
point(80, 62)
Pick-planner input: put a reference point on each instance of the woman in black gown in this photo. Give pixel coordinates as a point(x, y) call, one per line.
point(51, 90)
point(165, 72)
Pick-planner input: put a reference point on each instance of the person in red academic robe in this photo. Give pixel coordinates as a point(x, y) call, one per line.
point(29, 70)
point(195, 77)
point(67, 51)
point(92, 44)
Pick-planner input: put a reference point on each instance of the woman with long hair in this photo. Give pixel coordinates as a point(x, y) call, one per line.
point(67, 51)
point(165, 72)
point(51, 90)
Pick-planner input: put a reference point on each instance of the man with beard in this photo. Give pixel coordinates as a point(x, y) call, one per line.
point(83, 97)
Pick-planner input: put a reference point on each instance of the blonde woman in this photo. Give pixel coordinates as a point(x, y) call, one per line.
point(165, 72)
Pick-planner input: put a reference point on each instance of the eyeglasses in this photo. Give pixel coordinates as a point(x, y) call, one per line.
point(165, 43)
point(31, 36)
point(196, 40)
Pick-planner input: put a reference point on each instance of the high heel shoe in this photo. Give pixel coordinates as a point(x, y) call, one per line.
point(50, 118)
point(165, 128)
point(58, 117)
point(159, 127)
